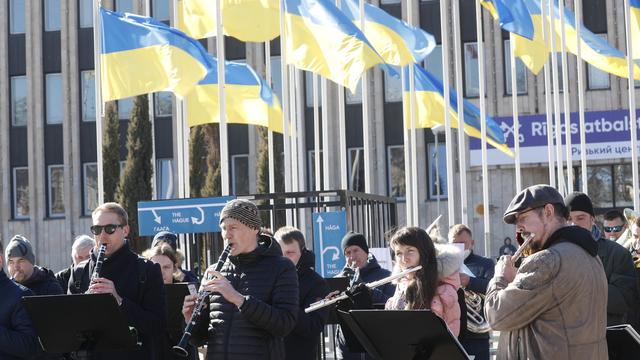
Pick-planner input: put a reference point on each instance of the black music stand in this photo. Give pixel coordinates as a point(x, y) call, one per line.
point(175, 294)
point(623, 342)
point(403, 334)
point(335, 284)
point(82, 322)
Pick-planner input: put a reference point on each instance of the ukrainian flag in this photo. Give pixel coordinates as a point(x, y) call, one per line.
point(249, 100)
point(396, 41)
point(321, 39)
point(430, 105)
point(512, 15)
point(533, 51)
point(140, 55)
point(635, 27)
point(246, 20)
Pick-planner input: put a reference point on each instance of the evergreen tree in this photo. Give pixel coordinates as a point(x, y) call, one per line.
point(213, 186)
point(111, 152)
point(262, 184)
point(136, 181)
point(197, 160)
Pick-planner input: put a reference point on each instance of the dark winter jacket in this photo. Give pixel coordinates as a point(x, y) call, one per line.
point(43, 282)
point(63, 278)
point(303, 341)
point(17, 337)
point(621, 277)
point(269, 284)
point(482, 268)
point(139, 283)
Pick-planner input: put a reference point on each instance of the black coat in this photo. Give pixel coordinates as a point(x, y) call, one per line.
point(63, 278)
point(483, 269)
point(302, 342)
point(43, 282)
point(621, 278)
point(139, 283)
point(256, 330)
point(17, 337)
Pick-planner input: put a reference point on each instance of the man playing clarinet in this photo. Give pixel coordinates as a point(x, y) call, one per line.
point(254, 300)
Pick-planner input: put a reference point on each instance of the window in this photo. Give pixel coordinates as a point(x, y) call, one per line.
point(19, 100)
point(392, 88)
point(124, 108)
point(356, 169)
point(308, 78)
point(163, 103)
point(90, 187)
point(53, 98)
point(389, 1)
point(437, 171)
point(600, 183)
point(124, 6)
point(433, 62)
point(521, 74)
point(311, 169)
point(559, 67)
point(161, 10)
point(164, 178)
point(88, 83)
point(52, 15)
point(355, 98)
point(276, 76)
point(395, 166)
point(623, 183)
point(471, 76)
point(56, 190)
point(20, 193)
point(86, 13)
point(240, 174)
point(597, 79)
point(16, 17)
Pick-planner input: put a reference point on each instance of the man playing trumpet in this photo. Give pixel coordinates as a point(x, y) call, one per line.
point(555, 304)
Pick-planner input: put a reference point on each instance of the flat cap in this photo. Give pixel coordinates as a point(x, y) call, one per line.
point(529, 198)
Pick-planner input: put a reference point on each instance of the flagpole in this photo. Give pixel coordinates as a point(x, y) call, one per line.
point(406, 140)
point(342, 139)
point(325, 133)
point(272, 172)
point(293, 105)
point(462, 151)
point(152, 118)
point(566, 101)
point(97, 44)
point(632, 104)
point(556, 99)
point(180, 133)
point(366, 131)
point(447, 112)
point(483, 132)
point(415, 202)
point(516, 119)
point(285, 105)
point(547, 97)
point(224, 149)
point(583, 136)
point(316, 134)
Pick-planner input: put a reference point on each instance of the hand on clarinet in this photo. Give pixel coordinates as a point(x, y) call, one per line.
point(506, 268)
point(187, 306)
point(219, 284)
point(104, 286)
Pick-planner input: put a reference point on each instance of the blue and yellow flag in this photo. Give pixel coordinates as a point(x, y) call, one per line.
point(512, 15)
point(249, 100)
point(635, 27)
point(430, 107)
point(321, 39)
point(533, 51)
point(396, 41)
point(246, 20)
point(140, 55)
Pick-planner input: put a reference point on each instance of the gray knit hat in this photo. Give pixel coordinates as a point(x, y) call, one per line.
point(244, 211)
point(19, 246)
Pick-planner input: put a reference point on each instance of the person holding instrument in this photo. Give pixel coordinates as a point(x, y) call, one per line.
point(254, 297)
point(555, 304)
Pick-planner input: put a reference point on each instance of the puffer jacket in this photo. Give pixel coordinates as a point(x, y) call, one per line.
point(43, 282)
point(18, 339)
point(269, 284)
point(556, 307)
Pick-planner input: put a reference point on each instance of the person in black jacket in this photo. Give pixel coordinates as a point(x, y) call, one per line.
point(476, 343)
point(166, 237)
point(134, 282)
point(21, 260)
point(302, 343)
point(80, 251)
point(254, 300)
point(18, 339)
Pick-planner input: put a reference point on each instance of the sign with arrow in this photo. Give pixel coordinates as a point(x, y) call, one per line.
point(328, 230)
point(181, 216)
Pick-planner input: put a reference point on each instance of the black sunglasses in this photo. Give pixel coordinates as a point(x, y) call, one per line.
point(616, 228)
point(109, 229)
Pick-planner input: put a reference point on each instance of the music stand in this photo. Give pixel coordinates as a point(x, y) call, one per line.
point(335, 284)
point(623, 342)
point(175, 294)
point(403, 334)
point(92, 322)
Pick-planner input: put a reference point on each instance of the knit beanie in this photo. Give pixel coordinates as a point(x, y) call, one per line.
point(577, 201)
point(19, 246)
point(244, 211)
point(167, 237)
point(353, 238)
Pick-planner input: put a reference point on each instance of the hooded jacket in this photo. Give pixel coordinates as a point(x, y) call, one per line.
point(43, 282)
point(269, 284)
point(18, 339)
point(556, 307)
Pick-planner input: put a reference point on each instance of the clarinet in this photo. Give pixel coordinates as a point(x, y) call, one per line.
point(180, 349)
point(99, 260)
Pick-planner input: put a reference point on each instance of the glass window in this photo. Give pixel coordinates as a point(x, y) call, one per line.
point(51, 15)
point(559, 66)
point(90, 187)
point(240, 174)
point(55, 113)
point(521, 74)
point(276, 76)
point(597, 79)
point(19, 100)
point(623, 180)
point(600, 184)
point(356, 169)
point(161, 10)
point(163, 103)
point(355, 98)
point(86, 13)
point(433, 62)
point(88, 79)
point(20, 193)
point(16, 17)
point(164, 178)
point(395, 166)
point(124, 6)
point(124, 108)
point(392, 88)
point(390, 1)
point(437, 171)
point(471, 76)
point(311, 166)
point(308, 79)
point(56, 190)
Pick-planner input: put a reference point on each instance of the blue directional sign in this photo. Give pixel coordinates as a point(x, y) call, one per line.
point(328, 230)
point(181, 216)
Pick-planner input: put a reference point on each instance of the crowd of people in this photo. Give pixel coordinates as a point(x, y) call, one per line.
point(555, 301)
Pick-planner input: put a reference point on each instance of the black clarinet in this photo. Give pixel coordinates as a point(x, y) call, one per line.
point(180, 349)
point(99, 260)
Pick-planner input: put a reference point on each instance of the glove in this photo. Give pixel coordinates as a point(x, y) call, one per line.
point(360, 296)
